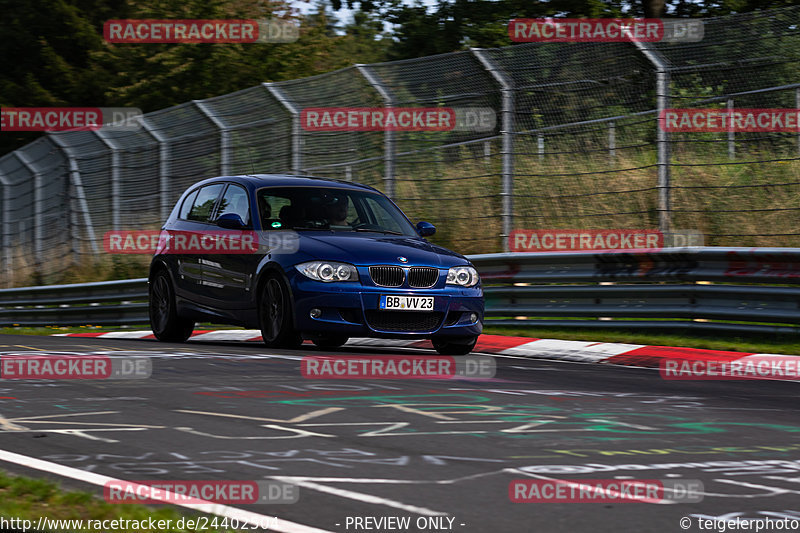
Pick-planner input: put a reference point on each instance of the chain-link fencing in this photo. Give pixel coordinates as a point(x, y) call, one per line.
point(577, 145)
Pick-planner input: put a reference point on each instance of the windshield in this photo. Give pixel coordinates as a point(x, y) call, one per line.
point(332, 209)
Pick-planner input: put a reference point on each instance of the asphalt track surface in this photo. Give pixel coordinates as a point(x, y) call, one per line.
point(440, 453)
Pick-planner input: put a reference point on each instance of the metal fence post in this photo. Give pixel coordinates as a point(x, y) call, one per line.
point(507, 134)
point(297, 132)
point(163, 166)
point(797, 106)
point(388, 136)
point(38, 211)
point(224, 137)
point(6, 233)
point(75, 180)
point(731, 134)
point(115, 192)
point(612, 140)
point(663, 139)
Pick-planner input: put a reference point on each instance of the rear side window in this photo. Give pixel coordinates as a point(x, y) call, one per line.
point(204, 203)
point(235, 201)
point(187, 205)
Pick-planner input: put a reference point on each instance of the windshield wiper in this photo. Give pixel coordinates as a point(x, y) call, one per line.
point(386, 231)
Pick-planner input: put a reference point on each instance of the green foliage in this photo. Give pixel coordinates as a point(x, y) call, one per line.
point(61, 59)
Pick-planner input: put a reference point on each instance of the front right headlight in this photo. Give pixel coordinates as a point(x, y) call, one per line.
point(464, 276)
point(328, 271)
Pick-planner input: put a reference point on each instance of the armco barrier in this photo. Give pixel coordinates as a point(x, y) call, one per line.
point(102, 303)
point(734, 289)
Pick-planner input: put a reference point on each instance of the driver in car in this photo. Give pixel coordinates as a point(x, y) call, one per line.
point(336, 211)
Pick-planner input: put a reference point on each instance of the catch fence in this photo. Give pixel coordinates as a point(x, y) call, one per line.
point(576, 146)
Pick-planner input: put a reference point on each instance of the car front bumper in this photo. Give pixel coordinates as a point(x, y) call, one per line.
point(352, 309)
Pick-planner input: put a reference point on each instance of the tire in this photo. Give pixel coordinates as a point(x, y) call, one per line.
point(167, 326)
point(454, 346)
point(275, 315)
point(330, 341)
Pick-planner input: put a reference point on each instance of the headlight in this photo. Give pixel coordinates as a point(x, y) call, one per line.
point(466, 276)
point(328, 271)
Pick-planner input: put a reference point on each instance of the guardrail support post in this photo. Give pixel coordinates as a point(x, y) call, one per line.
point(75, 181)
point(388, 136)
point(507, 150)
point(297, 132)
point(224, 138)
point(663, 139)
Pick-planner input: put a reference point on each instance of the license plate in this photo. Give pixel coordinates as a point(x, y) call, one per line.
point(407, 303)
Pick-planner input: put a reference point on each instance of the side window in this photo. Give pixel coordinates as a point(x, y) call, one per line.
point(187, 205)
point(235, 201)
point(273, 209)
point(204, 202)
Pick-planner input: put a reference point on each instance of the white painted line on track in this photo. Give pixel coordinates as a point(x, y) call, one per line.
point(225, 511)
point(360, 496)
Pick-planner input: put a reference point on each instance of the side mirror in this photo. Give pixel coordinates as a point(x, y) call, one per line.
point(425, 229)
point(230, 221)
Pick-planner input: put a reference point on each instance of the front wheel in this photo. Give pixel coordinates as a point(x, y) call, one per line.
point(454, 346)
point(164, 320)
point(275, 315)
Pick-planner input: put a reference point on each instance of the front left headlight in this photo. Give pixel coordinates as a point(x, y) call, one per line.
point(328, 271)
point(464, 276)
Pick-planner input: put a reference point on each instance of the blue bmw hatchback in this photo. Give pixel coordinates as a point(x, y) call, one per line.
point(304, 257)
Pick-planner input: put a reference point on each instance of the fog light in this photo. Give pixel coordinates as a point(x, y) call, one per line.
point(315, 313)
point(473, 317)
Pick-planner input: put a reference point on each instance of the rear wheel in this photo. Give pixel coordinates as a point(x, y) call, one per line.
point(164, 320)
point(330, 341)
point(275, 315)
point(454, 346)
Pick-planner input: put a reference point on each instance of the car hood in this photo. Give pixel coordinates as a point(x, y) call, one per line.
point(375, 248)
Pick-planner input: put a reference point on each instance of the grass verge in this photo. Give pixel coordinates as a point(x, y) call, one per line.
point(53, 330)
point(29, 499)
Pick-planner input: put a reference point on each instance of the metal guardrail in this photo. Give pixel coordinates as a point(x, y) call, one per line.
point(102, 303)
point(727, 289)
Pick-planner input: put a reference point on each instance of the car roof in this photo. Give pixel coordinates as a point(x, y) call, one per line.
point(256, 181)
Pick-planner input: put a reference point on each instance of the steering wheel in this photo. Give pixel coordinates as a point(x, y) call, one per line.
point(356, 223)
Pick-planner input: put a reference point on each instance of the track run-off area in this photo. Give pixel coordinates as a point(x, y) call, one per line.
point(408, 455)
